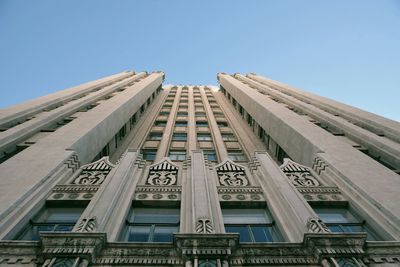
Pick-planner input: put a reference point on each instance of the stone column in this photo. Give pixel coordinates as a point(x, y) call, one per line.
point(192, 138)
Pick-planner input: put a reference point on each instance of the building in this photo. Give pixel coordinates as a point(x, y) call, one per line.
point(124, 171)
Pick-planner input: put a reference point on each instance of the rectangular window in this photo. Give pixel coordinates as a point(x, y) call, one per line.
point(210, 155)
point(160, 123)
point(155, 136)
point(151, 225)
point(200, 114)
point(149, 154)
point(177, 155)
point(253, 225)
point(164, 113)
point(204, 137)
point(201, 124)
point(343, 221)
point(222, 124)
point(51, 220)
point(228, 137)
point(179, 137)
point(236, 156)
point(181, 114)
point(181, 124)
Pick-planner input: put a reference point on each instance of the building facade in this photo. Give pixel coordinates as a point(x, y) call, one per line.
point(126, 171)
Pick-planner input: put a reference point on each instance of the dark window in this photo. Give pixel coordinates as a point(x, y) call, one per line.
point(228, 137)
point(149, 154)
point(161, 123)
point(236, 155)
point(181, 123)
point(342, 220)
point(151, 225)
point(181, 114)
point(222, 124)
point(253, 225)
point(201, 124)
point(51, 220)
point(210, 155)
point(155, 136)
point(204, 137)
point(179, 137)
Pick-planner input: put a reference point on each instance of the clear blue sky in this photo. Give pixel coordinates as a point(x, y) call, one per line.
point(348, 50)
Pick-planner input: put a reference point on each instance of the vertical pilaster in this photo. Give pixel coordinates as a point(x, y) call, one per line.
point(192, 138)
point(216, 134)
point(169, 128)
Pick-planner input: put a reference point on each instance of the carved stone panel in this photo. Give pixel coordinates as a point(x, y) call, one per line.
point(231, 174)
point(94, 173)
point(298, 174)
point(162, 174)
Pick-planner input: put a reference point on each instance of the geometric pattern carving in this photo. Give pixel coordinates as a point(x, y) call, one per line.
point(94, 173)
point(87, 225)
point(299, 175)
point(231, 174)
point(316, 225)
point(163, 173)
point(204, 226)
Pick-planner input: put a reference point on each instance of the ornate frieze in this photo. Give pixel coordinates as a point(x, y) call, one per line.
point(73, 192)
point(94, 173)
point(163, 173)
point(241, 194)
point(231, 174)
point(299, 175)
point(321, 193)
point(158, 193)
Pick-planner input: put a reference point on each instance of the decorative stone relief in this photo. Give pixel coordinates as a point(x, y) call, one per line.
point(163, 173)
point(316, 225)
point(298, 174)
point(231, 174)
point(94, 173)
point(204, 226)
point(87, 225)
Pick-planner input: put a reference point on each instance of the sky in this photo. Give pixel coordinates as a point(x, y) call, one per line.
point(347, 50)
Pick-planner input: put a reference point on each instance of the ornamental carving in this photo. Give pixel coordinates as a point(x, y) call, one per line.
point(204, 226)
point(299, 175)
point(231, 174)
point(94, 173)
point(87, 225)
point(316, 225)
point(163, 173)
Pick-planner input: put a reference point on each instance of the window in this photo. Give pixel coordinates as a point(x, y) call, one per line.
point(164, 113)
point(204, 137)
point(342, 220)
point(161, 123)
point(200, 114)
point(155, 136)
point(149, 154)
point(181, 124)
point(201, 124)
point(181, 114)
point(253, 225)
point(179, 137)
point(151, 225)
point(177, 155)
point(222, 124)
point(236, 156)
point(228, 137)
point(51, 220)
point(210, 155)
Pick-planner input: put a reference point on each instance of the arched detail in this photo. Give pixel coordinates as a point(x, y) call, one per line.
point(231, 174)
point(163, 173)
point(299, 175)
point(94, 173)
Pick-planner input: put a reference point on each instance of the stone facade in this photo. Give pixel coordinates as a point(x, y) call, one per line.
point(124, 171)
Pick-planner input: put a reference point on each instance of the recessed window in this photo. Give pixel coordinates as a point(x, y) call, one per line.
point(228, 137)
point(237, 155)
point(181, 114)
point(210, 155)
point(149, 154)
point(181, 124)
point(151, 225)
point(343, 221)
point(177, 155)
point(253, 225)
point(164, 113)
point(200, 114)
point(204, 137)
point(179, 137)
point(155, 136)
point(51, 220)
point(222, 124)
point(201, 124)
point(160, 123)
